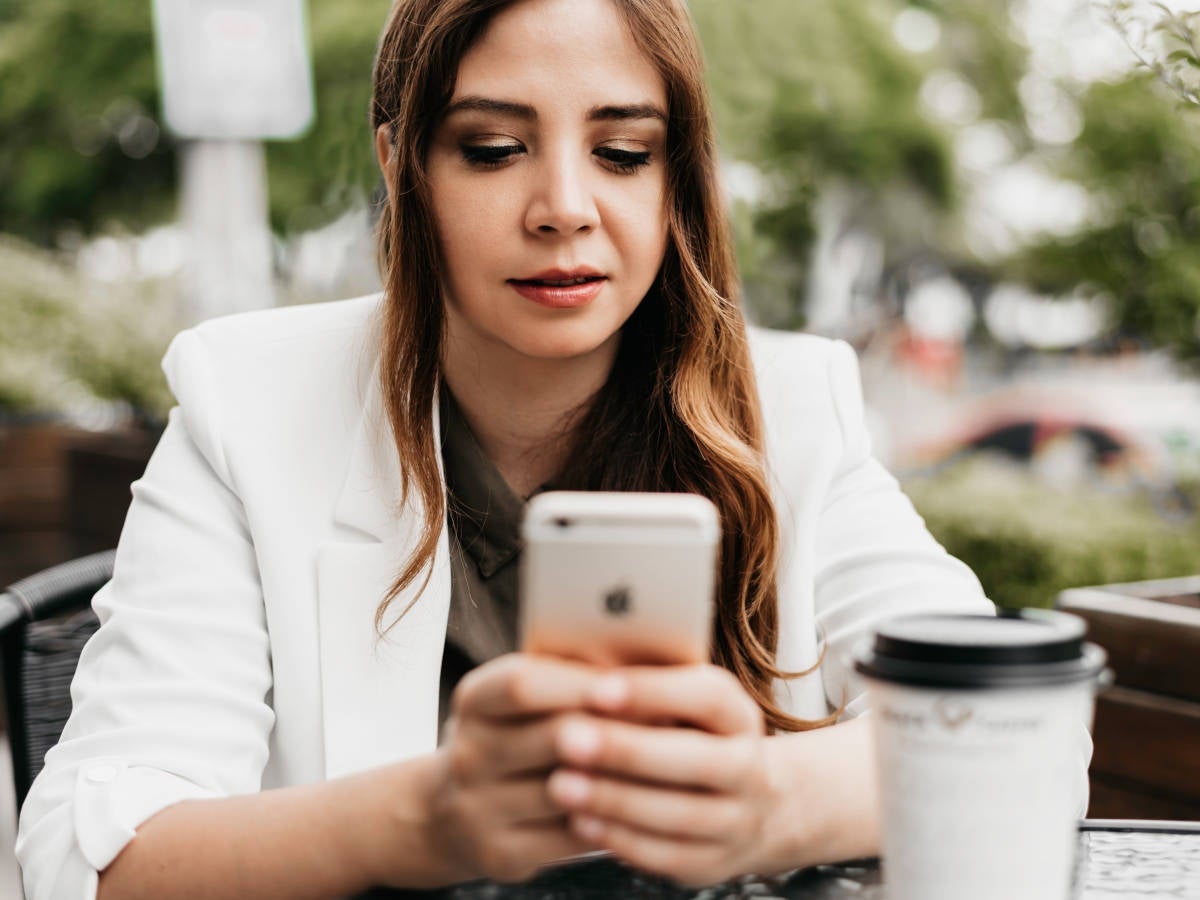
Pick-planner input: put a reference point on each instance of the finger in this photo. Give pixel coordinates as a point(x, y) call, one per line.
point(705, 696)
point(520, 685)
point(672, 756)
point(678, 814)
point(500, 747)
point(518, 854)
point(693, 863)
point(519, 801)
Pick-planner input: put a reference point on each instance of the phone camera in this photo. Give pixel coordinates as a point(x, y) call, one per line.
point(563, 522)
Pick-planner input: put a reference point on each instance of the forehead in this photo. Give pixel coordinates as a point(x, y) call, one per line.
point(560, 54)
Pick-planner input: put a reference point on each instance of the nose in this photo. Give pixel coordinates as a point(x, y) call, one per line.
point(562, 202)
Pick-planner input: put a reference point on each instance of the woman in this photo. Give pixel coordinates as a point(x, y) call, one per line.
point(560, 308)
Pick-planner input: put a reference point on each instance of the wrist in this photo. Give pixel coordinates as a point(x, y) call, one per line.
point(783, 841)
point(399, 840)
point(825, 797)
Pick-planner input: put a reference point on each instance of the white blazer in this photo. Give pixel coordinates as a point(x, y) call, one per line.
point(238, 649)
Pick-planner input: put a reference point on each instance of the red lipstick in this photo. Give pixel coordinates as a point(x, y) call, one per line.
point(560, 288)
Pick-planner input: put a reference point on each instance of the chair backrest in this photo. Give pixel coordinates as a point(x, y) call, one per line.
point(45, 620)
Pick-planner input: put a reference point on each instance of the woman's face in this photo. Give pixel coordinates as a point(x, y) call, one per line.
point(550, 167)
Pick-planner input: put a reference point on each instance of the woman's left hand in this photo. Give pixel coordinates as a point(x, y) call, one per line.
point(691, 803)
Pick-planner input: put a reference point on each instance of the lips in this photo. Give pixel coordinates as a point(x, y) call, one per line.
point(558, 282)
point(560, 288)
point(561, 277)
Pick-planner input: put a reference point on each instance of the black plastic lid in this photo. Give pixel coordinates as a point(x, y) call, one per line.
point(1016, 648)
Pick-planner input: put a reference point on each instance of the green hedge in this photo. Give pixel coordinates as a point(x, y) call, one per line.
point(1027, 540)
point(66, 343)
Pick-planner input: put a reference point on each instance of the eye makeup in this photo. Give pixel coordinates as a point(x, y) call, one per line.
point(492, 156)
point(624, 162)
point(489, 155)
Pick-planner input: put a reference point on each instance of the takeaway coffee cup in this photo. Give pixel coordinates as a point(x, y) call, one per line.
point(981, 744)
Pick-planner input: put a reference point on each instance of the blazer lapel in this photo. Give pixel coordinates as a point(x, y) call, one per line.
point(379, 694)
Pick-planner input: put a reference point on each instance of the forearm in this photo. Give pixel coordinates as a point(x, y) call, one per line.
point(323, 840)
point(828, 806)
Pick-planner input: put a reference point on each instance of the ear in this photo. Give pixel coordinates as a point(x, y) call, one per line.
point(384, 151)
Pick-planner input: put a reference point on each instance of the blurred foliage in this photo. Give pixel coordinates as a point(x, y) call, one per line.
point(1139, 154)
point(67, 344)
point(1027, 542)
point(76, 73)
point(81, 91)
point(819, 93)
point(805, 93)
point(1141, 159)
point(332, 168)
point(1165, 41)
point(810, 98)
point(815, 93)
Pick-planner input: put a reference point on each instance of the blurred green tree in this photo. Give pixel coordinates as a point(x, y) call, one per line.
point(1164, 40)
point(1139, 155)
point(1141, 158)
point(332, 167)
point(822, 93)
point(83, 143)
point(807, 95)
point(78, 74)
point(818, 93)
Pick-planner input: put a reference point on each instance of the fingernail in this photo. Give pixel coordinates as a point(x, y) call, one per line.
point(571, 787)
point(578, 741)
point(610, 691)
point(591, 830)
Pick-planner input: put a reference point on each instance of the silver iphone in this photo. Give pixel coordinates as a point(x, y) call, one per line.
point(619, 578)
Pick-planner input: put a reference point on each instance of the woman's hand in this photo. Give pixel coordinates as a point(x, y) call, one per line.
point(491, 815)
point(691, 803)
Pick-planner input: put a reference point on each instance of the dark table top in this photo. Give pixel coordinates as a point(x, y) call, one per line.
point(1117, 859)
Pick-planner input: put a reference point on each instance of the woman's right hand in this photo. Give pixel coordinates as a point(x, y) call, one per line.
point(491, 816)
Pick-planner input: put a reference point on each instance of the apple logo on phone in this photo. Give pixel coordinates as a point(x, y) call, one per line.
point(617, 601)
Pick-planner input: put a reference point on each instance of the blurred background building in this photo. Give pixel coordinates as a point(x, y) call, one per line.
point(997, 202)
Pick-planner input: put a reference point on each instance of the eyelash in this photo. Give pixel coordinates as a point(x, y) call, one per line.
point(492, 156)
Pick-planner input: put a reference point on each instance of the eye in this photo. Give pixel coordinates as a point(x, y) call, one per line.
point(489, 156)
point(623, 162)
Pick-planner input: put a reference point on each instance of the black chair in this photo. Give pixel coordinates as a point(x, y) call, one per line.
point(45, 620)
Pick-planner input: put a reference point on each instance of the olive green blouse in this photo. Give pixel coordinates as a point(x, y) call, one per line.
point(484, 518)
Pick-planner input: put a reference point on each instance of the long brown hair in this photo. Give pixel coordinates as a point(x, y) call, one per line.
point(680, 411)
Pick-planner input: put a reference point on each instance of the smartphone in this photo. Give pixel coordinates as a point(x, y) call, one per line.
point(618, 578)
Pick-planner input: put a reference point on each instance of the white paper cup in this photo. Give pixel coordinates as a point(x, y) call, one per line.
point(978, 725)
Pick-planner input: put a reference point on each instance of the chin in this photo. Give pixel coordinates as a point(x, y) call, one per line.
point(561, 343)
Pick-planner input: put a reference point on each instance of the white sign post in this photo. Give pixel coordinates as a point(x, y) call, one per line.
point(233, 73)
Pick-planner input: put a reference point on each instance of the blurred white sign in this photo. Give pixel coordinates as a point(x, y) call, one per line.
point(234, 69)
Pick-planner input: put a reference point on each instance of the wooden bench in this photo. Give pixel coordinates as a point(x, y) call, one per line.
point(1147, 732)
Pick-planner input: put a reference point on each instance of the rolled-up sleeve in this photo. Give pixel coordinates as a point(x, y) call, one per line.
point(169, 701)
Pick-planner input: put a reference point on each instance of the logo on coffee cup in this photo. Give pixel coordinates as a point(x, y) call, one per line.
point(952, 715)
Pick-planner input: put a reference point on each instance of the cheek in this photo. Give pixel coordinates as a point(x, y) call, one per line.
point(471, 223)
point(643, 231)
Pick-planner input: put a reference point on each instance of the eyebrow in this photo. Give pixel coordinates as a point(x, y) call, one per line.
point(631, 111)
point(608, 113)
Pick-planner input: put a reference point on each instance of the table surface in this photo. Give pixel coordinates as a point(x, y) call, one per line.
point(1117, 859)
